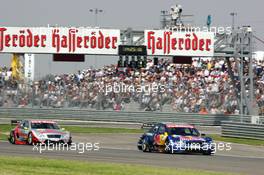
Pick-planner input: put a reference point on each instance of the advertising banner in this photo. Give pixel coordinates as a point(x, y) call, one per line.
point(171, 43)
point(59, 40)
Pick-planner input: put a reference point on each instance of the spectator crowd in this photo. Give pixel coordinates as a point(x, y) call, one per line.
point(201, 87)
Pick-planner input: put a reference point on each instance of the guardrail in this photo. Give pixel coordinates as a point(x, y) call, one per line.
point(120, 116)
point(242, 130)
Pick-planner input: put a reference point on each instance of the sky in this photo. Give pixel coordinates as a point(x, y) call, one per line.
point(120, 14)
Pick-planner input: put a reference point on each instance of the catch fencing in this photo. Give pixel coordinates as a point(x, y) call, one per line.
point(242, 130)
point(118, 116)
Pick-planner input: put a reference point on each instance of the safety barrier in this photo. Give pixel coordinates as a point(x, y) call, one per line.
point(120, 116)
point(242, 130)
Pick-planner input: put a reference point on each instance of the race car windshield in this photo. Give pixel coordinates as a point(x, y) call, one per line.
point(44, 126)
point(183, 131)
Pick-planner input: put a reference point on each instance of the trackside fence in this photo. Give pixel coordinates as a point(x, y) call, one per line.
point(120, 116)
point(242, 130)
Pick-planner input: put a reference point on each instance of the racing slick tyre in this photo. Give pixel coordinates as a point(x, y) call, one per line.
point(30, 139)
point(69, 142)
point(12, 138)
point(168, 148)
point(139, 147)
point(207, 152)
point(145, 146)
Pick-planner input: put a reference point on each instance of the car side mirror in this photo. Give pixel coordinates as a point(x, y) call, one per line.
point(203, 135)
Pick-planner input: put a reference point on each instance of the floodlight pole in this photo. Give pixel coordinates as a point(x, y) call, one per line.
point(96, 12)
point(233, 14)
point(163, 14)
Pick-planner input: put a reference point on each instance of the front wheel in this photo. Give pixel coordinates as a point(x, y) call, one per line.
point(30, 139)
point(208, 152)
point(168, 147)
point(69, 142)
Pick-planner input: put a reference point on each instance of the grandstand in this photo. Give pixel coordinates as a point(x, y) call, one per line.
point(202, 87)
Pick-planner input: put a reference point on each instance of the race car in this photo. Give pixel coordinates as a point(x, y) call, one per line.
point(175, 138)
point(39, 131)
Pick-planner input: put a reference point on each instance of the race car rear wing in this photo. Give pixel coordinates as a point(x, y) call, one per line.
point(151, 124)
point(148, 125)
point(15, 122)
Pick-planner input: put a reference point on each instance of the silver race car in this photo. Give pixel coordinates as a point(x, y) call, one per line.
point(39, 131)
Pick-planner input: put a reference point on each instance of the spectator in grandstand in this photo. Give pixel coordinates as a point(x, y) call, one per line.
point(203, 87)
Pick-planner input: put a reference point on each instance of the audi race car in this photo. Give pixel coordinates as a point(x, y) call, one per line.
point(175, 138)
point(38, 132)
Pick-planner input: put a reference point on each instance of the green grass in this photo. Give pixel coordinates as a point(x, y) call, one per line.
point(78, 129)
point(32, 166)
point(253, 142)
point(4, 129)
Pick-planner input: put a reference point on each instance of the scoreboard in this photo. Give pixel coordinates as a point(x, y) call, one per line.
point(132, 50)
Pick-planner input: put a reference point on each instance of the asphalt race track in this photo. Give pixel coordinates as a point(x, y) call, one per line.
point(242, 159)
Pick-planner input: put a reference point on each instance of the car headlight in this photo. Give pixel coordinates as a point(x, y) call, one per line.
point(66, 136)
point(178, 141)
point(208, 140)
point(181, 142)
point(42, 136)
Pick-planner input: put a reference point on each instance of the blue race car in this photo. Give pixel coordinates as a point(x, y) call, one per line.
point(175, 138)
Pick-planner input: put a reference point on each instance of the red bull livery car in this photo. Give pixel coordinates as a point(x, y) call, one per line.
point(175, 138)
point(39, 131)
